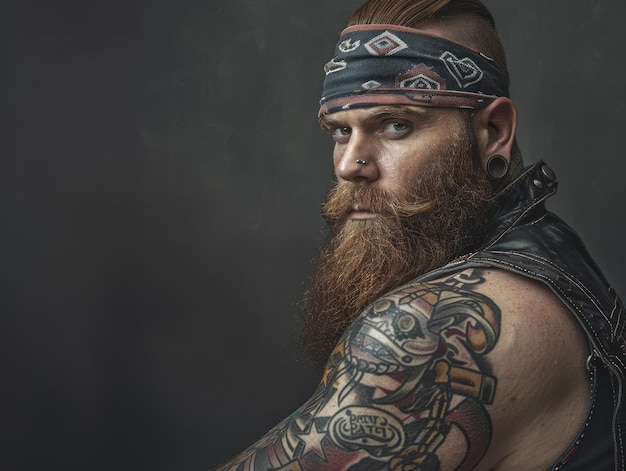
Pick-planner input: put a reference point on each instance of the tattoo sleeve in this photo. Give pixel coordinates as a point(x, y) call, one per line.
point(408, 375)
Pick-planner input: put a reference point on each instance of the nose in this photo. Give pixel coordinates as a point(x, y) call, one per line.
point(356, 160)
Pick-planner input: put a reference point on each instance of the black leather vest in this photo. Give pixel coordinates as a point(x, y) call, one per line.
point(526, 239)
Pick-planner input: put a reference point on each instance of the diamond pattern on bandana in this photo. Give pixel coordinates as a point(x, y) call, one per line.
point(385, 44)
point(384, 64)
point(421, 77)
point(420, 81)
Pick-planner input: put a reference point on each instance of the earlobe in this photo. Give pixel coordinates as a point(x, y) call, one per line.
point(494, 127)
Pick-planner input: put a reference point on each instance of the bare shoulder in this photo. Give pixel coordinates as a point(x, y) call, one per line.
point(539, 360)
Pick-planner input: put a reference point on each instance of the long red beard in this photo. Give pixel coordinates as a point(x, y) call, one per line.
point(415, 231)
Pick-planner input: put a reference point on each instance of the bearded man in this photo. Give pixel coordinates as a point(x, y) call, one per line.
point(461, 326)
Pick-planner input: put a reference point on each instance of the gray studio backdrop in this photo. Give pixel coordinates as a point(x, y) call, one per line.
point(160, 185)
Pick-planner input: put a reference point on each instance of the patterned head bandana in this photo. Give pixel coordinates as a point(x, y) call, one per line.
point(388, 64)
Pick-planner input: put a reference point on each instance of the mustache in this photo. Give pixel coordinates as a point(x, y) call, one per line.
point(344, 198)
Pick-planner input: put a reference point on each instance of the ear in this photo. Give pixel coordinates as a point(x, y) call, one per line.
point(494, 127)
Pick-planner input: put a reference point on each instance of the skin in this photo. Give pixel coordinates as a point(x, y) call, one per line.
point(482, 370)
point(424, 408)
point(394, 141)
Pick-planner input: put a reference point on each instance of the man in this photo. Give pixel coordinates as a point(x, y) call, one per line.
point(461, 325)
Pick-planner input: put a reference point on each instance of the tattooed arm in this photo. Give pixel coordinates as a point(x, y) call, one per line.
point(450, 375)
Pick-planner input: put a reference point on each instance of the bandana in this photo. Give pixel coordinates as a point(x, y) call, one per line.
point(396, 65)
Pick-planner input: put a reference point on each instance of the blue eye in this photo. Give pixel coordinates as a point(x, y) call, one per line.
point(341, 135)
point(396, 127)
point(341, 132)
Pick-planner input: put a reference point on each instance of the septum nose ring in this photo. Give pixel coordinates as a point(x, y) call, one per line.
point(361, 162)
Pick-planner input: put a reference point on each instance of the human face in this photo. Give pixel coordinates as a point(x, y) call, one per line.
point(381, 238)
point(395, 141)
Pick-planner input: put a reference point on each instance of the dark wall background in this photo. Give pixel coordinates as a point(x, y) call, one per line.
point(161, 173)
